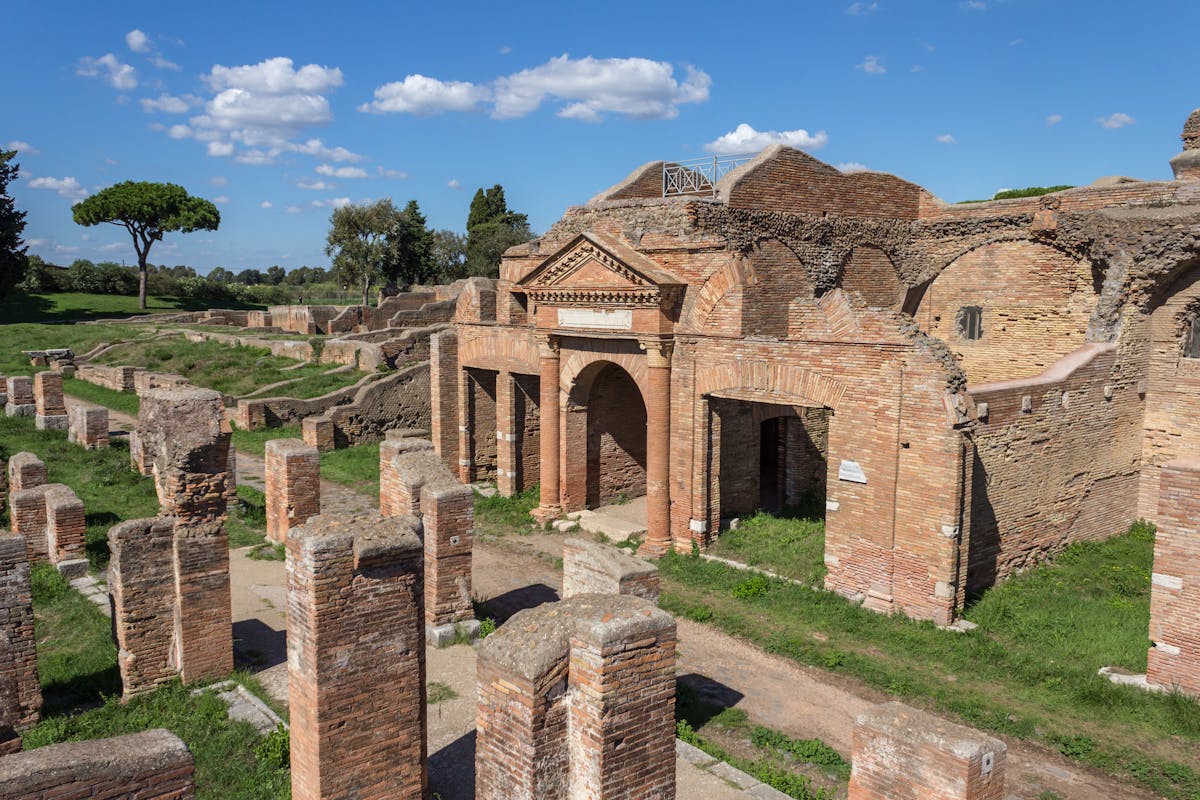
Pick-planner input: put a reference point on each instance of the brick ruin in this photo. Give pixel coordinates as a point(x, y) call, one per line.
point(1174, 659)
point(595, 568)
point(901, 753)
point(87, 426)
point(293, 485)
point(49, 406)
point(20, 691)
point(577, 699)
point(19, 400)
point(796, 333)
point(169, 575)
point(151, 765)
point(52, 521)
point(414, 482)
point(356, 659)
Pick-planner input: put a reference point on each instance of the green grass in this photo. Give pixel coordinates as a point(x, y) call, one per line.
point(791, 544)
point(1028, 671)
point(231, 369)
point(73, 306)
point(499, 515)
point(256, 441)
point(356, 467)
point(81, 338)
point(125, 402)
point(248, 519)
point(111, 492)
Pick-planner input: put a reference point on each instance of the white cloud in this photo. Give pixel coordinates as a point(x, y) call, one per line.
point(1016, 42)
point(320, 186)
point(137, 41)
point(333, 202)
point(973, 5)
point(108, 68)
point(453, 183)
point(505, 50)
point(859, 9)
point(219, 180)
point(221, 199)
point(917, 68)
point(1117, 120)
point(112, 247)
point(294, 210)
point(1054, 119)
point(317, 149)
point(24, 148)
point(341, 172)
point(220, 149)
point(745, 139)
point(871, 66)
point(163, 63)
point(850, 167)
point(417, 94)
point(266, 204)
point(169, 104)
point(179, 132)
point(275, 76)
point(947, 138)
point(391, 173)
point(588, 87)
point(65, 187)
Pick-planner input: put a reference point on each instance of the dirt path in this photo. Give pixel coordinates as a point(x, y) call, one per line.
point(519, 572)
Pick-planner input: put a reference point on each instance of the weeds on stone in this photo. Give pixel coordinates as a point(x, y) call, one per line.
point(275, 748)
point(439, 692)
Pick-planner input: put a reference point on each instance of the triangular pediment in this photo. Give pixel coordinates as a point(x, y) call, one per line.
point(591, 261)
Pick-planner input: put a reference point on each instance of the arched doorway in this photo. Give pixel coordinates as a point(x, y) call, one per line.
point(605, 447)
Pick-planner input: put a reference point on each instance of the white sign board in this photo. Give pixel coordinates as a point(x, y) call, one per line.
point(851, 471)
point(609, 319)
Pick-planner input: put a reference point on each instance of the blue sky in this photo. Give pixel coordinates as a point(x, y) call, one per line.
point(278, 112)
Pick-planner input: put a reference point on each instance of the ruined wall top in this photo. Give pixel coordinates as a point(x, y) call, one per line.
point(118, 760)
point(372, 539)
point(1191, 131)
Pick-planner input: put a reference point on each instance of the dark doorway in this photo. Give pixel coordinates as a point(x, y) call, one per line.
point(772, 464)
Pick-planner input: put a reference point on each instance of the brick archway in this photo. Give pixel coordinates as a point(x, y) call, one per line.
point(770, 383)
point(580, 366)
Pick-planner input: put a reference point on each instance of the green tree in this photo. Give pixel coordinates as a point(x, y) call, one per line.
point(492, 228)
point(13, 262)
point(147, 210)
point(221, 275)
point(449, 255)
point(375, 243)
point(275, 274)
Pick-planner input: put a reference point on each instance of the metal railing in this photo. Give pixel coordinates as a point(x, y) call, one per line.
point(699, 175)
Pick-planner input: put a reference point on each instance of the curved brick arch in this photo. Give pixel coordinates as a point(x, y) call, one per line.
point(733, 275)
point(500, 352)
point(1014, 237)
point(574, 365)
point(782, 382)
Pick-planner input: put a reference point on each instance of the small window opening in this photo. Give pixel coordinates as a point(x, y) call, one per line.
point(1191, 338)
point(970, 322)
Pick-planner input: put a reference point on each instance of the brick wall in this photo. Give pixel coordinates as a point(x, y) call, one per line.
point(152, 765)
point(88, 426)
point(482, 398)
point(901, 753)
point(20, 401)
point(48, 399)
point(1174, 659)
point(444, 400)
point(66, 524)
point(358, 713)
point(141, 581)
point(395, 496)
point(293, 485)
point(596, 568)
point(1036, 305)
point(616, 438)
point(870, 273)
point(25, 471)
point(318, 432)
point(577, 699)
point(20, 691)
point(119, 379)
point(27, 518)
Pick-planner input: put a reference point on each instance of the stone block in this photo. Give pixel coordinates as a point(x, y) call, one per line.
point(66, 524)
point(293, 485)
point(142, 583)
point(318, 432)
point(901, 753)
point(48, 395)
point(596, 568)
point(88, 426)
point(25, 471)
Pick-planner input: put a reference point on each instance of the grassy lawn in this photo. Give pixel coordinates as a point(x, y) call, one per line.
point(256, 441)
point(125, 402)
point(355, 467)
point(110, 490)
point(77, 664)
point(1028, 671)
point(81, 338)
point(791, 544)
point(227, 368)
point(497, 516)
point(72, 306)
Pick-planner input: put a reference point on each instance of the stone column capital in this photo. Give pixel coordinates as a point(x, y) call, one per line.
point(658, 351)
point(547, 344)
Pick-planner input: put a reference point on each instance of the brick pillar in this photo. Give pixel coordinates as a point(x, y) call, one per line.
point(66, 529)
point(25, 471)
point(465, 391)
point(318, 432)
point(448, 523)
point(293, 491)
point(27, 516)
point(3, 390)
point(901, 753)
point(550, 503)
point(20, 401)
point(1174, 660)
point(596, 568)
point(577, 699)
point(658, 448)
point(506, 435)
point(395, 496)
point(444, 397)
point(48, 402)
point(20, 691)
point(356, 659)
point(88, 426)
point(141, 581)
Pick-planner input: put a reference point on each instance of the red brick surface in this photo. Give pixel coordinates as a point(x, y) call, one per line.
point(293, 485)
point(20, 691)
point(1174, 660)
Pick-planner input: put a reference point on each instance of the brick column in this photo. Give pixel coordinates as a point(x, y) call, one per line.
point(48, 402)
point(20, 692)
point(466, 447)
point(27, 517)
point(444, 397)
point(25, 471)
point(318, 432)
point(901, 753)
point(1174, 660)
point(448, 523)
point(88, 426)
point(20, 401)
point(141, 581)
point(356, 658)
point(506, 436)
point(550, 503)
point(658, 448)
point(293, 485)
point(66, 530)
point(394, 495)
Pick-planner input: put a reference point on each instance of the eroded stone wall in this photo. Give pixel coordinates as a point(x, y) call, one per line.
point(20, 691)
point(596, 568)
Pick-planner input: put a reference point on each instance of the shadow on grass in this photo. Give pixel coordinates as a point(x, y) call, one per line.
point(69, 307)
point(80, 692)
point(699, 698)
